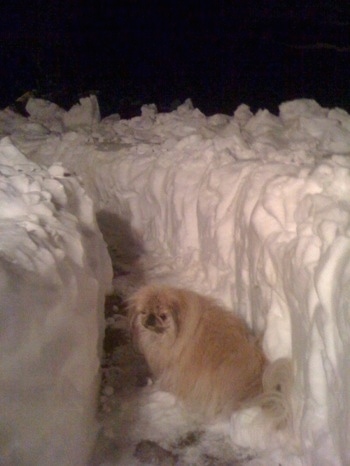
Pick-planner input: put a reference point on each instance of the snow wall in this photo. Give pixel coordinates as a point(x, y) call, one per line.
point(252, 209)
point(54, 274)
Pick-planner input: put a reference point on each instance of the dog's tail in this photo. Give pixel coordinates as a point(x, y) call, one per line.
point(276, 397)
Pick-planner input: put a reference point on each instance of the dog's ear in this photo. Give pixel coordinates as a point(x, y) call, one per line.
point(175, 309)
point(130, 315)
point(131, 310)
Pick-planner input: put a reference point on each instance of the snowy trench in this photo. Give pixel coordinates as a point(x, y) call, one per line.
point(251, 209)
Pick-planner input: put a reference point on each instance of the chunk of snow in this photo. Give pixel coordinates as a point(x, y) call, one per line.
point(50, 114)
point(85, 115)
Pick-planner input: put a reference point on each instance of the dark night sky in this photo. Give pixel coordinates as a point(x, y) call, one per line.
point(219, 53)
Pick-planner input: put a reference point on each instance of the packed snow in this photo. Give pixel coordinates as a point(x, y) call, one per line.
point(253, 209)
point(55, 272)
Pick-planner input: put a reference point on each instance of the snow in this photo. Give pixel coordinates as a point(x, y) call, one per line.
point(253, 209)
point(54, 271)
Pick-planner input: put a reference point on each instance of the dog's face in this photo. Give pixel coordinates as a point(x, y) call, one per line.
point(159, 316)
point(154, 318)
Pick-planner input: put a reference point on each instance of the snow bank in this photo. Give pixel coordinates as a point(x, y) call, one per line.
point(54, 273)
point(253, 209)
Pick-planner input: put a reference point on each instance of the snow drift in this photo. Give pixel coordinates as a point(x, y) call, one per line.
point(252, 209)
point(54, 271)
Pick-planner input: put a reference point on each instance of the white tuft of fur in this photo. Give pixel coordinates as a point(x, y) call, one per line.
point(276, 399)
point(265, 424)
point(278, 380)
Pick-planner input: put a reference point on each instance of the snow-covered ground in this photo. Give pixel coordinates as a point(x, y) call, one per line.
point(252, 209)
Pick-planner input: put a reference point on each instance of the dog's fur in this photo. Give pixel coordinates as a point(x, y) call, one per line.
point(202, 353)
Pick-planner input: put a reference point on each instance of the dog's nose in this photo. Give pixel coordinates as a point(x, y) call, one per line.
point(151, 321)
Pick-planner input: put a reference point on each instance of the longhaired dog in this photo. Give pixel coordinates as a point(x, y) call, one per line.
point(205, 355)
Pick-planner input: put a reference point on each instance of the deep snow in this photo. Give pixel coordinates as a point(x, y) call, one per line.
point(252, 209)
point(54, 271)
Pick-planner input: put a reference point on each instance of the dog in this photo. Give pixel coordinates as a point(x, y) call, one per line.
point(205, 354)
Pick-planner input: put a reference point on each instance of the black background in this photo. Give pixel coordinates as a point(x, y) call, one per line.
point(218, 53)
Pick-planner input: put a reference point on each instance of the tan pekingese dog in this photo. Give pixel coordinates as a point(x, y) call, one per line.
point(203, 354)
